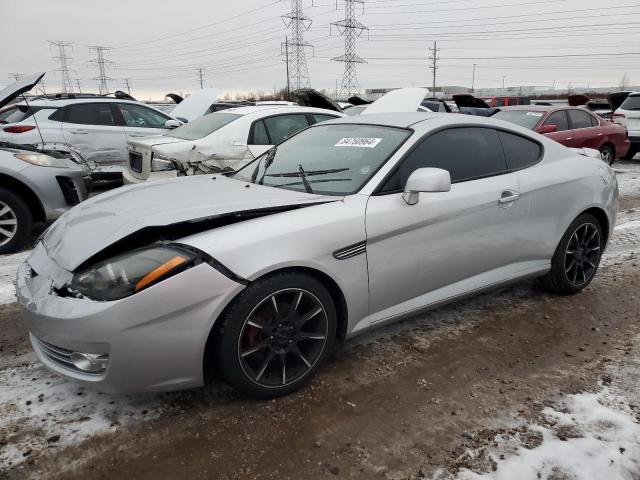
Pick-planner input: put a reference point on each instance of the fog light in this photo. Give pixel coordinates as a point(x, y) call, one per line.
point(89, 362)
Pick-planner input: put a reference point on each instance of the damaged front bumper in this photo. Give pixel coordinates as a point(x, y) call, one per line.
point(151, 341)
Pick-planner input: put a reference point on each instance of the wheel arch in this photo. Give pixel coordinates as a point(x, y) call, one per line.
point(32, 200)
point(602, 217)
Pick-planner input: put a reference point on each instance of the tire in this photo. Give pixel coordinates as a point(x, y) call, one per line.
point(16, 222)
point(577, 257)
point(608, 154)
point(267, 349)
point(633, 149)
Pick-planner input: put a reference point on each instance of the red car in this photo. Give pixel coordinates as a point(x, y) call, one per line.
point(506, 101)
point(572, 127)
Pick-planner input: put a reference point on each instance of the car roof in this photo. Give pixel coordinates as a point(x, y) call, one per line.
point(62, 102)
point(262, 109)
point(424, 121)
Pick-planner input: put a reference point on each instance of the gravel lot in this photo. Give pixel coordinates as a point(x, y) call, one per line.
point(512, 384)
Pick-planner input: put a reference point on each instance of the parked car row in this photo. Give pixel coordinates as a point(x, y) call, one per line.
point(348, 224)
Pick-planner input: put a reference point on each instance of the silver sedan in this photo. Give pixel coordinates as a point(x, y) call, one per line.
point(346, 226)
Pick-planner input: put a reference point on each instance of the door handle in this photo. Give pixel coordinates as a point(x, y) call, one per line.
point(507, 198)
point(137, 135)
point(568, 138)
point(78, 132)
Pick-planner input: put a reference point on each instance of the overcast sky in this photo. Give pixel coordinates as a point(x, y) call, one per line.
point(159, 45)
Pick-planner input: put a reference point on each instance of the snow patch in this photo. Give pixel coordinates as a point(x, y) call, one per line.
point(607, 447)
point(8, 267)
point(40, 410)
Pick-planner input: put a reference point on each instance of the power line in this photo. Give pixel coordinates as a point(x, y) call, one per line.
point(350, 29)
point(67, 86)
point(295, 56)
point(102, 64)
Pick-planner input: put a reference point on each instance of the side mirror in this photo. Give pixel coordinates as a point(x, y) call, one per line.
point(548, 129)
point(172, 124)
point(426, 180)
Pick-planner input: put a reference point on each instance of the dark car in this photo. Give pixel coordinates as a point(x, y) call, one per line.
point(573, 127)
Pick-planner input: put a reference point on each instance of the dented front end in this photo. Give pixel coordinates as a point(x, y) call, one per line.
point(153, 340)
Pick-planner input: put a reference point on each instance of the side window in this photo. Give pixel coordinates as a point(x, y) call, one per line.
point(594, 121)
point(559, 119)
point(521, 152)
point(89, 114)
point(140, 116)
point(260, 136)
point(283, 126)
point(467, 153)
point(579, 119)
point(319, 117)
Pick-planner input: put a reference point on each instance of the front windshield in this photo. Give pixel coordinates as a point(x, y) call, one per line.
point(329, 159)
point(203, 126)
point(525, 118)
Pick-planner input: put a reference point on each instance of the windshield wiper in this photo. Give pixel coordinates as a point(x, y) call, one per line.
point(267, 163)
point(310, 173)
point(307, 185)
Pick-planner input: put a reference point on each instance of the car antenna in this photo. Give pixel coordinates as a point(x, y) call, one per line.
point(34, 119)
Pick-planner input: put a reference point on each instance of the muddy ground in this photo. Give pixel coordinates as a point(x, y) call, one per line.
point(407, 401)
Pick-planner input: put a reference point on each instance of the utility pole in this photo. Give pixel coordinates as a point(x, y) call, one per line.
point(67, 86)
point(350, 29)
point(434, 63)
point(473, 79)
point(102, 64)
point(200, 72)
point(503, 83)
point(126, 80)
point(78, 83)
point(286, 59)
point(298, 73)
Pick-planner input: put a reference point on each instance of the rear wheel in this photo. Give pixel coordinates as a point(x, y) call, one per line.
point(608, 154)
point(16, 222)
point(276, 334)
point(633, 149)
point(577, 257)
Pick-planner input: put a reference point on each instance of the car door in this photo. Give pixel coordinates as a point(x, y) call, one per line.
point(562, 135)
point(139, 120)
point(93, 130)
point(583, 133)
point(449, 243)
point(269, 131)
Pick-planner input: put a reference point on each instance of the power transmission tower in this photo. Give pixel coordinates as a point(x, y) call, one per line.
point(200, 72)
point(294, 47)
point(100, 61)
point(16, 76)
point(434, 63)
point(67, 86)
point(78, 83)
point(350, 29)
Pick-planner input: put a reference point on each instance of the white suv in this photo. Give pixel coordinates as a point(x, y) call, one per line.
point(97, 127)
point(628, 114)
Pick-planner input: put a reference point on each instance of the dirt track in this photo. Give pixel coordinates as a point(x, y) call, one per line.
point(405, 401)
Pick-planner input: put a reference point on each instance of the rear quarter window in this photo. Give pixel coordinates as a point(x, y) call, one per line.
point(520, 152)
point(631, 103)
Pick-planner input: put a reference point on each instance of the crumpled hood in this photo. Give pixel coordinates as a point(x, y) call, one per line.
point(102, 220)
point(152, 141)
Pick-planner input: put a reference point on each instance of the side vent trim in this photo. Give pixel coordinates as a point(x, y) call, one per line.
point(350, 251)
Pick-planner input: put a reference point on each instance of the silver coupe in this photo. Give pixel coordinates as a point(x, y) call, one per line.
point(346, 226)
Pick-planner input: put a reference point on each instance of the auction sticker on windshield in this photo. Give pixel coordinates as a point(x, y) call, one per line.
point(361, 142)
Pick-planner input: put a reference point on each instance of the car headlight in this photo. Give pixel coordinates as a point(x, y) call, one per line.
point(40, 159)
point(130, 273)
point(161, 163)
